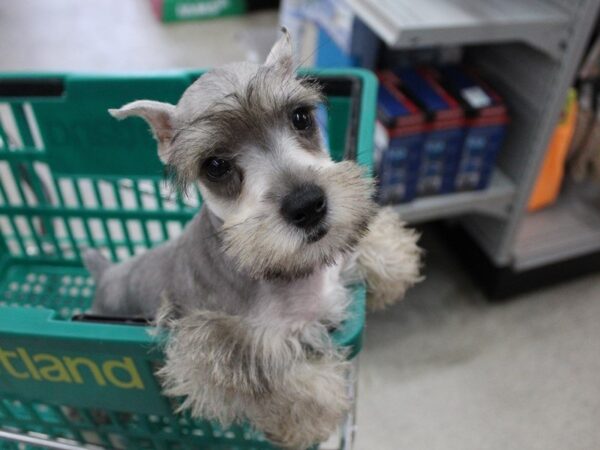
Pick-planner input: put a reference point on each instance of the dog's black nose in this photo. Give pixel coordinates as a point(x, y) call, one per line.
point(305, 207)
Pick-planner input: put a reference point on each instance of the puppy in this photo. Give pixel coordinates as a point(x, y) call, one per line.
point(251, 288)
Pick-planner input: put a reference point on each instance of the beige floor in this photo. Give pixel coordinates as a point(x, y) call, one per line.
point(443, 370)
point(448, 370)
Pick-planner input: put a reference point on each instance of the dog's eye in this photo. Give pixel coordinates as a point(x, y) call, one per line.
point(301, 119)
point(217, 168)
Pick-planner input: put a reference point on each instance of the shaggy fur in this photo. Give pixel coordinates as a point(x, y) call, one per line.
point(248, 296)
point(270, 248)
point(265, 376)
point(388, 258)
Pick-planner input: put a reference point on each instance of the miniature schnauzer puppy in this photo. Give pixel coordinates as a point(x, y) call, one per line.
point(251, 289)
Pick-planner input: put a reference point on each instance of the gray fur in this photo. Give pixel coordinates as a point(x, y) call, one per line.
point(248, 298)
point(191, 270)
point(263, 374)
point(96, 263)
point(264, 245)
point(233, 106)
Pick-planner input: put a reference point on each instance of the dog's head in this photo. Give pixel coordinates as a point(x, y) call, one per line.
point(247, 134)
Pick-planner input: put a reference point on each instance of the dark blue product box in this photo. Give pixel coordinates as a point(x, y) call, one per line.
point(444, 126)
point(398, 156)
point(487, 118)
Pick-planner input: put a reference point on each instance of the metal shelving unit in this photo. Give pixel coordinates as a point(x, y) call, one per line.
point(535, 85)
point(411, 24)
point(494, 201)
point(568, 229)
point(529, 50)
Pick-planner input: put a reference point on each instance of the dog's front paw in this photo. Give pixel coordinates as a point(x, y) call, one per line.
point(308, 408)
point(388, 259)
point(217, 361)
point(229, 370)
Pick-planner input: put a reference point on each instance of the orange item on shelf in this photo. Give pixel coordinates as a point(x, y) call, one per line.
point(549, 180)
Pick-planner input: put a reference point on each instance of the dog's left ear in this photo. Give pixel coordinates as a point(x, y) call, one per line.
point(158, 115)
point(281, 55)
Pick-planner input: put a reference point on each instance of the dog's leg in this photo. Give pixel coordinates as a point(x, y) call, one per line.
point(307, 406)
point(229, 369)
point(387, 258)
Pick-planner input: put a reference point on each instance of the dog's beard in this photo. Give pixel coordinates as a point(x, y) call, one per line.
point(265, 246)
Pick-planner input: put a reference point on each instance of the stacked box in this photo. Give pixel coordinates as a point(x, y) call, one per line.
point(398, 154)
point(436, 138)
point(444, 129)
point(487, 118)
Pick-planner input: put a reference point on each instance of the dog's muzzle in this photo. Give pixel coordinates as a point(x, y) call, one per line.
point(305, 207)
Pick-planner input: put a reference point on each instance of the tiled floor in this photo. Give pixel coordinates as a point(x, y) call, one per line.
point(443, 370)
point(448, 370)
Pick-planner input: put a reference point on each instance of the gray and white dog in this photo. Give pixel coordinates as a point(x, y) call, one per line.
point(252, 287)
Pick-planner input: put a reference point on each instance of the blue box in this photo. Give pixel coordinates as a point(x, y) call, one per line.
point(481, 148)
point(398, 156)
point(486, 119)
point(398, 169)
point(441, 156)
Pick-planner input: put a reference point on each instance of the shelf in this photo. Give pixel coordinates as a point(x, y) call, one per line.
point(412, 24)
point(494, 201)
point(568, 229)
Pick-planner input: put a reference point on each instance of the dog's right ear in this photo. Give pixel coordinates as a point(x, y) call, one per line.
point(281, 55)
point(158, 115)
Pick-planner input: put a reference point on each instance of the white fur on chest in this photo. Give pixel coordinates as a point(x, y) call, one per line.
point(321, 297)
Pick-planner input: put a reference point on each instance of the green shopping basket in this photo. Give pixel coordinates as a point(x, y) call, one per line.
point(72, 177)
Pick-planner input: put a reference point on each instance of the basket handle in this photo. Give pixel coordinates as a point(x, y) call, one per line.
point(24, 87)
